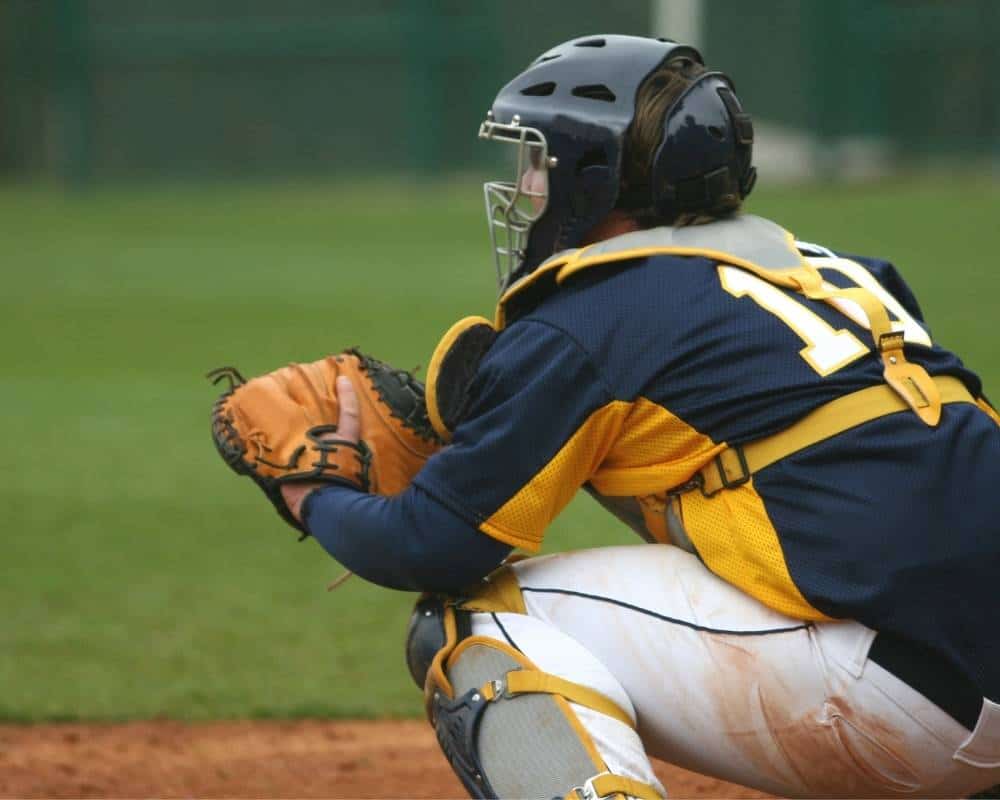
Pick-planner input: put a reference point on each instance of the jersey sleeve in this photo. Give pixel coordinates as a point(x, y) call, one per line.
point(540, 421)
point(408, 541)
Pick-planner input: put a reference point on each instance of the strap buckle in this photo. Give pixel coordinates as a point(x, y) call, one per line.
point(726, 482)
point(893, 340)
point(588, 791)
point(696, 482)
point(500, 689)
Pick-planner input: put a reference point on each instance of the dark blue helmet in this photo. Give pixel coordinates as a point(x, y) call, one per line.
point(569, 112)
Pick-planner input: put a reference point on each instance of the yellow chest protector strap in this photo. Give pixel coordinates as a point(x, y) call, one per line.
point(909, 381)
point(736, 464)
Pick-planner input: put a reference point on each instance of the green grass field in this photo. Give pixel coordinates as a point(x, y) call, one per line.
point(140, 577)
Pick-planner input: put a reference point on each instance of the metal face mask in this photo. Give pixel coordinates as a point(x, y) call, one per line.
point(567, 115)
point(512, 207)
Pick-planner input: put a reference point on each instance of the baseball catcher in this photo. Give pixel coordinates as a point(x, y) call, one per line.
point(813, 613)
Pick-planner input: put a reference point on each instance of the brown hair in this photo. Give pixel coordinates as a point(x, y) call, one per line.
point(657, 93)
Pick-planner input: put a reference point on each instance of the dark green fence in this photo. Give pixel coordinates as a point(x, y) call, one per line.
point(111, 89)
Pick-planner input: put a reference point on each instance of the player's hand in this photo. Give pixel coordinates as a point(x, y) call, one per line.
point(348, 428)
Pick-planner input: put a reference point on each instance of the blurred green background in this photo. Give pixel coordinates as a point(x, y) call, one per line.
point(96, 90)
point(140, 577)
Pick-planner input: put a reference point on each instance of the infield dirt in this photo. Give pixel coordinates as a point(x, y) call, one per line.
point(253, 759)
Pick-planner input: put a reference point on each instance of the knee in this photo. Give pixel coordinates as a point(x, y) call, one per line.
point(425, 637)
point(508, 728)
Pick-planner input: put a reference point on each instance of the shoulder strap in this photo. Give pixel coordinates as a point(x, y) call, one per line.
point(736, 464)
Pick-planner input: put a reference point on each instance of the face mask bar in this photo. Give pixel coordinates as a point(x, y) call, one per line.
point(513, 207)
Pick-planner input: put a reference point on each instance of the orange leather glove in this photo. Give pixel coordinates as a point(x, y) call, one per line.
point(281, 427)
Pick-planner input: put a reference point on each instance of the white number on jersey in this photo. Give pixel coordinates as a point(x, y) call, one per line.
point(827, 349)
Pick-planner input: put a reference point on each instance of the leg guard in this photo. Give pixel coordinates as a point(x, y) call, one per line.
point(507, 727)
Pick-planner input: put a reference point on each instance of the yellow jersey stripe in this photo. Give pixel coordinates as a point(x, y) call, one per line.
point(989, 410)
point(734, 536)
point(522, 520)
point(655, 451)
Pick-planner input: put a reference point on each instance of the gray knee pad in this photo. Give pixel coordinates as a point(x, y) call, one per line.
point(507, 728)
point(508, 746)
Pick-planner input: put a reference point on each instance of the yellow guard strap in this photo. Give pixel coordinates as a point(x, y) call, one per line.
point(910, 381)
point(500, 592)
point(524, 681)
point(606, 785)
point(990, 411)
point(436, 679)
point(828, 420)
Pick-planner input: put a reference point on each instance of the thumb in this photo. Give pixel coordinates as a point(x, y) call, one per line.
point(349, 424)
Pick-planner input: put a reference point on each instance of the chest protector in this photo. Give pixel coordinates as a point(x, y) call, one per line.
point(746, 242)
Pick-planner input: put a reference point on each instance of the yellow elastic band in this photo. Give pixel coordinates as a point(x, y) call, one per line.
point(910, 381)
point(498, 593)
point(810, 283)
point(524, 681)
point(436, 678)
point(826, 421)
point(608, 784)
point(990, 411)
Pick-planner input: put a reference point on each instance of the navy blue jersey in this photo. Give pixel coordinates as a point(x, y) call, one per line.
point(633, 374)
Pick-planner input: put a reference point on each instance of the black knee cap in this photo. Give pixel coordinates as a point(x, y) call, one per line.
point(425, 637)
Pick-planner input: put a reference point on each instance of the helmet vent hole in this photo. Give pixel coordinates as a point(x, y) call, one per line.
point(540, 89)
point(597, 91)
point(591, 43)
point(540, 59)
point(717, 132)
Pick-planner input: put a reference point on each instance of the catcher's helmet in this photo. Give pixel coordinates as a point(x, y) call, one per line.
point(569, 111)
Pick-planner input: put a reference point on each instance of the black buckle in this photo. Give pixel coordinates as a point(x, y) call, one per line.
point(697, 482)
point(728, 483)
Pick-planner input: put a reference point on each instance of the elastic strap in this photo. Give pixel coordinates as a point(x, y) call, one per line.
point(910, 381)
point(736, 464)
point(526, 681)
point(607, 785)
point(499, 593)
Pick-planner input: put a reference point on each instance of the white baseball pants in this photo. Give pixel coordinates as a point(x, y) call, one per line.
point(722, 685)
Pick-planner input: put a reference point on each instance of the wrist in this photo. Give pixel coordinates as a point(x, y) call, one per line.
point(295, 496)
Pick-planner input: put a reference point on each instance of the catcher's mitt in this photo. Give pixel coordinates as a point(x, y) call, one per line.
point(282, 427)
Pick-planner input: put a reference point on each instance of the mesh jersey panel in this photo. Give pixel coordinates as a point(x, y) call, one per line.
point(523, 519)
